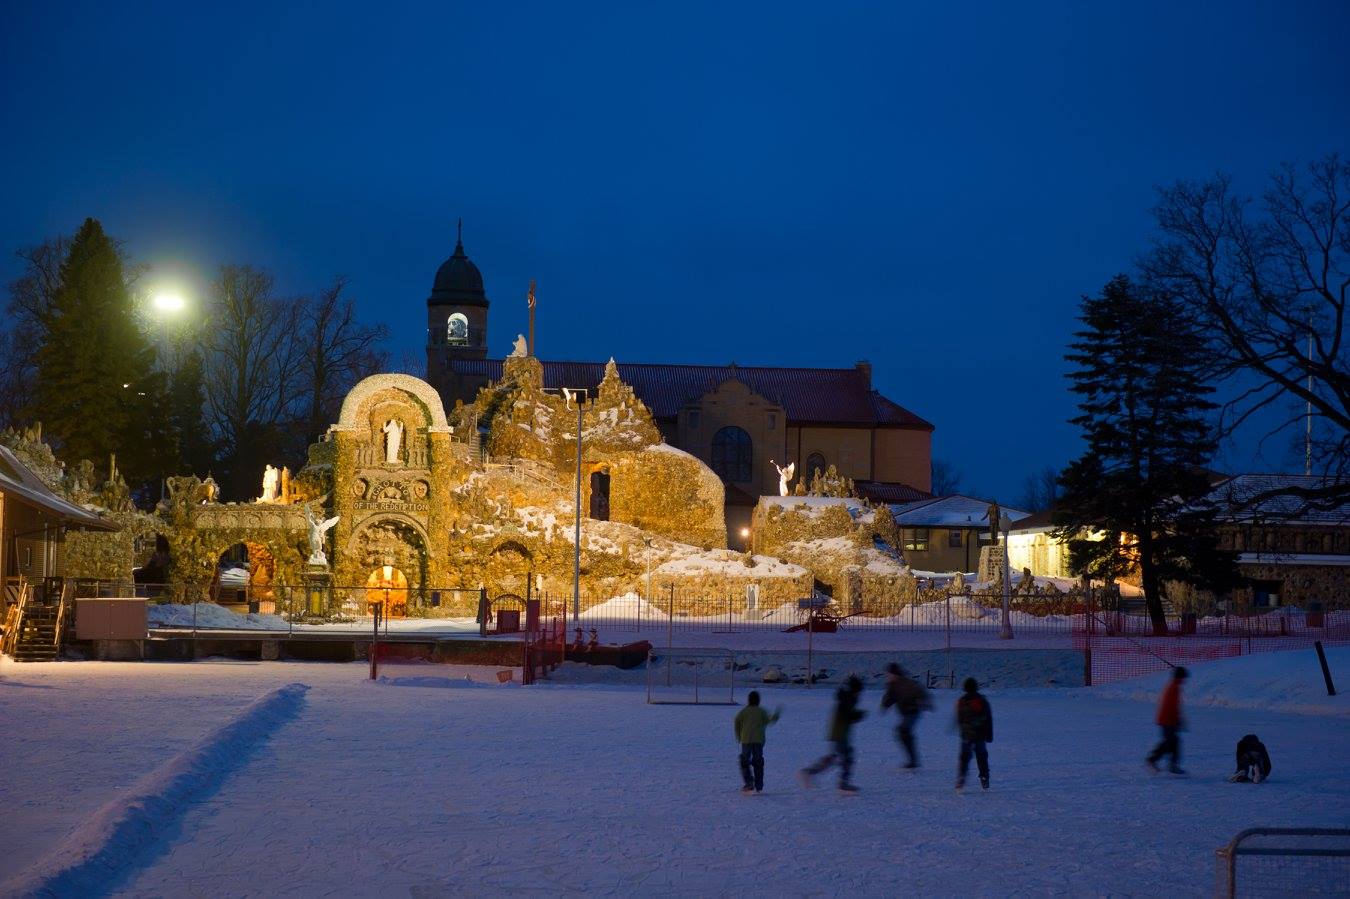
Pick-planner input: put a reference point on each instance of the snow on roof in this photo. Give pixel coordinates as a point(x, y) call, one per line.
point(1234, 496)
point(952, 511)
point(18, 481)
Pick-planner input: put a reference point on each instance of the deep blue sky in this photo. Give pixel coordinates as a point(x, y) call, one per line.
point(927, 186)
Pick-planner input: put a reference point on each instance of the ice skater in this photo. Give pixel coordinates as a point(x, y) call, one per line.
point(911, 700)
point(846, 714)
point(751, 723)
point(975, 720)
point(1170, 720)
point(1253, 762)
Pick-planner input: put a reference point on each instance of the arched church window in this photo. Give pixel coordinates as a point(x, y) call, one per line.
point(815, 465)
point(457, 329)
point(732, 454)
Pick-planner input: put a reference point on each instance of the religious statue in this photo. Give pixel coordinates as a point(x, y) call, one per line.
point(785, 473)
point(317, 528)
point(393, 440)
point(994, 514)
point(269, 485)
point(519, 348)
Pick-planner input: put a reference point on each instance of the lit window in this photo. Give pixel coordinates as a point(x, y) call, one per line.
point(917, 540)
point(732, 454)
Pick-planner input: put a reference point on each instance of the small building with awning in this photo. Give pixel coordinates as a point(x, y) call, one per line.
point(34, 520)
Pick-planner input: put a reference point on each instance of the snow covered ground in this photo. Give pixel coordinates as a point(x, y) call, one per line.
point(427, 784)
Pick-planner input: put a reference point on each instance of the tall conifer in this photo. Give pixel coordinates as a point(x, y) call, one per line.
point(1136, 496)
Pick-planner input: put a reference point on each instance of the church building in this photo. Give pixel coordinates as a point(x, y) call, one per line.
point(740, 420)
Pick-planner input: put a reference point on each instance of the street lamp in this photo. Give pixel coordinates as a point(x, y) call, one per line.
point(168, 301)
point(569, 396)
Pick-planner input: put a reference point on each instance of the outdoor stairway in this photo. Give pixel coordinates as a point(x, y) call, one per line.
point(37, 634)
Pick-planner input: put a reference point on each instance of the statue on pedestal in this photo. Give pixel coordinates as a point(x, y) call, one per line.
point(393, 440)
point(269, 485)
point(317, 528)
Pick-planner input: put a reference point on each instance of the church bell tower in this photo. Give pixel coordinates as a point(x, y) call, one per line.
point(456, 321)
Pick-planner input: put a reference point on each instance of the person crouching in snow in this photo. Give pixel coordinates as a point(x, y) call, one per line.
point(846, 714)
point(751, 722)
point(1253, 762)
point(975, 719)
point(1170, 720)
point(910, 699)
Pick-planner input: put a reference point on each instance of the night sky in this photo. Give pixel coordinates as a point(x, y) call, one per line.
point(928, 188)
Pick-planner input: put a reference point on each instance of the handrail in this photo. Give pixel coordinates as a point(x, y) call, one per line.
point(14, 618)
point(62, 604)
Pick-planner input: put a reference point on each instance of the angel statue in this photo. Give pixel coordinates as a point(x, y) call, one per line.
point(317, 528)
point(785, 473)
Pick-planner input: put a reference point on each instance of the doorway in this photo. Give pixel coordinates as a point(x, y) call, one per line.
point(600, 495)
point(387, 590)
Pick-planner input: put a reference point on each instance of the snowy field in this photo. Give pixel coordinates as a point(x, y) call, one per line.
point(427, 784)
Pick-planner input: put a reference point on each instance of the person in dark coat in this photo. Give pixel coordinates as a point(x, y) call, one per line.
point(1253, 762)
point(846, 714)
point(975, 719)
point(910, 699)
point(1170, 720)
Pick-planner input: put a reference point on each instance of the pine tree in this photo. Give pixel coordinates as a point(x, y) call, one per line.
point(187, 416)
point(97, 390)
point(1136, 496)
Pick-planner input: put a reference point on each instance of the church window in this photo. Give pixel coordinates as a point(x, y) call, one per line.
point(732, 454)
point(815, 465)
point(693, 419)
point(457, 329)
point(773, 420)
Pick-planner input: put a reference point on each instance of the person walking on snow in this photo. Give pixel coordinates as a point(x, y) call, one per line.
point(910, 699)
point(1170, 720)
point(846, 714)
point(751, 722)
point(975, 720)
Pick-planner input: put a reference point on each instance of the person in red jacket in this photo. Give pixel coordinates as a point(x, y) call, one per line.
point(1170, 720)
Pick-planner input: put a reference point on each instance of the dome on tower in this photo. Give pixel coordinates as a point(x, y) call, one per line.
point(458, 281)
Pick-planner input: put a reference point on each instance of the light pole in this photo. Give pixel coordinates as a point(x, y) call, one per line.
point(1005, 628)
point(569, 396)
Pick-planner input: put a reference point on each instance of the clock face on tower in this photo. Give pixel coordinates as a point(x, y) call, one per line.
point(457, 329)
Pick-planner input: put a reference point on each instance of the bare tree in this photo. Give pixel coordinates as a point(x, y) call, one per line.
point(1269, 280)
point(1040, 490)
point(31, 298)
point(252, 372)
point(337, 352)
point(946, 478)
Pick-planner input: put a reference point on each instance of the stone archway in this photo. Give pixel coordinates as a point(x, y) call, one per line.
point(387, 589)
point(395, 543)
point(508, 567)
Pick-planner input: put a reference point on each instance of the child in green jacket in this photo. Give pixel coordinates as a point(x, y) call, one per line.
point(751, 722)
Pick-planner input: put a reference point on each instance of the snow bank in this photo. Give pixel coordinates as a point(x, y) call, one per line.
point(210, 615)
point(1288, 681)
point(89, 858)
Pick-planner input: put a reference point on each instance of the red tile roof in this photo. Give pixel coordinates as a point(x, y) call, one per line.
point(841, 396)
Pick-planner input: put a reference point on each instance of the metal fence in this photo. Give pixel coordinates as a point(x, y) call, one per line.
point(1284, 861)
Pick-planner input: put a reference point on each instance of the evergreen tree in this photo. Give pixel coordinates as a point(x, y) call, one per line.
point(187, 416)
point(96, 388)
point(1136, 496)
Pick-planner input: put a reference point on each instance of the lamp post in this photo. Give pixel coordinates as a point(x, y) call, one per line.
point(1005, 627)
point(569, 395)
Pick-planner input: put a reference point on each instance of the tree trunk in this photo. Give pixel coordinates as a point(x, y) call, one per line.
point(1149, 578)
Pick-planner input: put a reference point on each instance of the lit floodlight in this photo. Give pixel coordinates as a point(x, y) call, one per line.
point(168, 301)
point(745, 532)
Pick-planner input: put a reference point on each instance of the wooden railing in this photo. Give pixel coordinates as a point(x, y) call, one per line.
point(14, 617)
point(67, 592)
